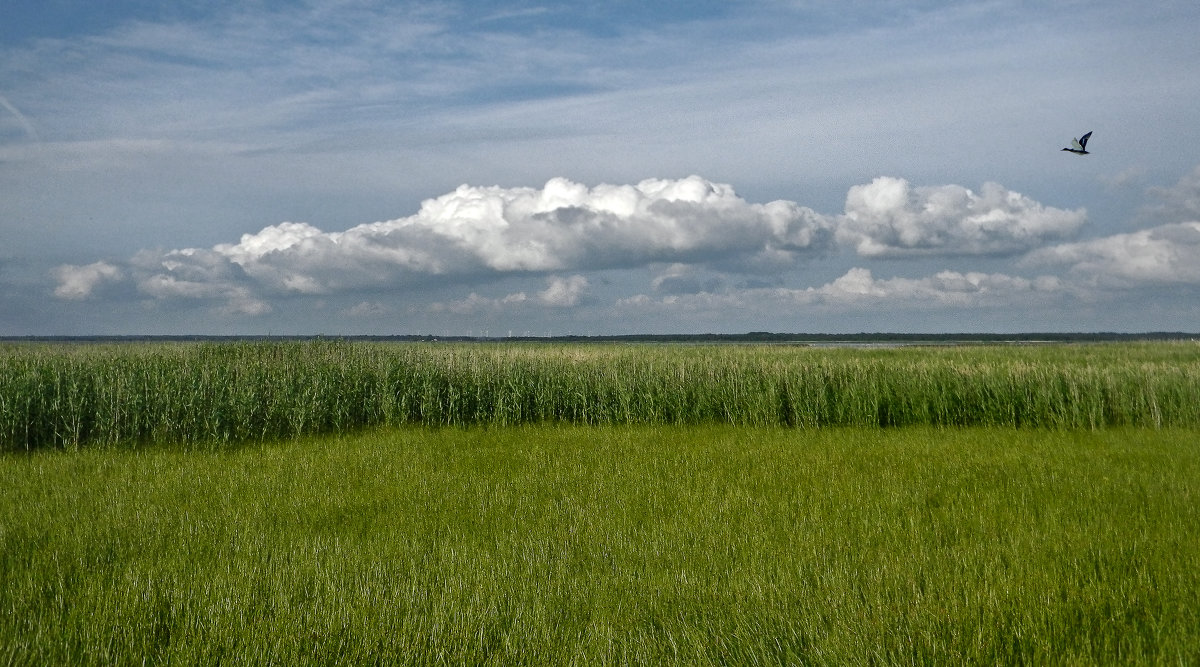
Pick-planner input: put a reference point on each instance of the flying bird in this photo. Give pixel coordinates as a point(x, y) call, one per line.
point(1079, 146)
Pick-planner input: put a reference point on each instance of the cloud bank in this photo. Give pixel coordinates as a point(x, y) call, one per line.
point(1163, 255)
point(697, 235)
point(859, 288)
point(481, 232)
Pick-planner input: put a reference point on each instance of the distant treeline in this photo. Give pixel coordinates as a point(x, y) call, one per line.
point(750, 337)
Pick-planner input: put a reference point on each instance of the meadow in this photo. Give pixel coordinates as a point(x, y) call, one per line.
point(77, 396)
point(553, 544)
point(330, 502)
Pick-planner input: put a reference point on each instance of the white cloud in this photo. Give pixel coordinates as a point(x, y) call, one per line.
point(367, 309)
point(78, 282)
point(196, 275)
point(479, 231)
point(564, 292)
point(700, 230)
point(475, 303)
point(684, 279)
point(559, 293)
point(472, 304)
point(1168, 254)
point(1180, 201)
point(241, 302)
point(890, 218)
point(944, 288)
point(858, 289)
point(238, 300)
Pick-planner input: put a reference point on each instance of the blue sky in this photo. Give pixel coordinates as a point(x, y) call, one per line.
point(345, 167)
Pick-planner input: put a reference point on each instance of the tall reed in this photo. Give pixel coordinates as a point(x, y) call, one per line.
point(71, 396)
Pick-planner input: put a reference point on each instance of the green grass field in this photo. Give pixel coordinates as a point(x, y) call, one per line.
point(331, 502)
point(610, 545)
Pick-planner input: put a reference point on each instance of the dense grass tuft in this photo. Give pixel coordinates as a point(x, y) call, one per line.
point(610, 545)
point(67, 396)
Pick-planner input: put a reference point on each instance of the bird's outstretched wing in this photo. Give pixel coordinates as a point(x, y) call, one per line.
point(1079, 146)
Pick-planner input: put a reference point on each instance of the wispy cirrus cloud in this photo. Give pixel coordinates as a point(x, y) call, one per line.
point(30, 131)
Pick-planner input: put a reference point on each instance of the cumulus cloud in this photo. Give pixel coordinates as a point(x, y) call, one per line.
point(945, 287)
point(563, 226)
point(859, 289)
point(890, 218)
point(698, 229)
point(78, 282)
point(480, 231)
point(559, 293)
point(564, 292)
point(1168, 254)
point(200, 275)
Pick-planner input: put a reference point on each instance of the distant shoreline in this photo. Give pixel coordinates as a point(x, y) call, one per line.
point(751, 337)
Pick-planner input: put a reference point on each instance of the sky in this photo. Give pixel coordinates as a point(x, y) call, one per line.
point(345, 167)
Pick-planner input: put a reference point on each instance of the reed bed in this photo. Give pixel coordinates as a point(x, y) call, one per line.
point(204, 394)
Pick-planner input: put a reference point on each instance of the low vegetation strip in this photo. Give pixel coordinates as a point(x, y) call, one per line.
point(201, 394)
point(654, 545)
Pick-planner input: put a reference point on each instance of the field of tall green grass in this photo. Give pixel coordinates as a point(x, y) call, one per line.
point(75, 396)
point(555, 544)
point(333, 502)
